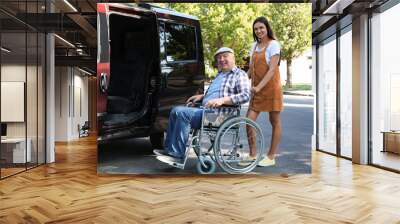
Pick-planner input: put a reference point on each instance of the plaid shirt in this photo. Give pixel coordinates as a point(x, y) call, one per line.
point(236, 85)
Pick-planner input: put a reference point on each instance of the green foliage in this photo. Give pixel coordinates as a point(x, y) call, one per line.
point(223, 25)
point(292, 26)
point(230, 25)
point(211, 72)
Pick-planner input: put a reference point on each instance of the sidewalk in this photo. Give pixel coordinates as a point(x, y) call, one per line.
point(299, 92)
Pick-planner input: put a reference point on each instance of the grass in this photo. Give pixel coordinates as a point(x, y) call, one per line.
point(297, 87)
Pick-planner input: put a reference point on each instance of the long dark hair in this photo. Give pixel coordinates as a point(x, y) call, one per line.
point(264, 21)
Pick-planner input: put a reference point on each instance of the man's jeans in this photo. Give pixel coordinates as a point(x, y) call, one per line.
point(181, 120)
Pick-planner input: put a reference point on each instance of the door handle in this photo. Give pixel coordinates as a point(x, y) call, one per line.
point(103, 83)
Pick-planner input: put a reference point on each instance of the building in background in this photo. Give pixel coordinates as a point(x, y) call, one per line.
point(357, 80)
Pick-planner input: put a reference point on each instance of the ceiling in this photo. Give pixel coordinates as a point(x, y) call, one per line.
point(328, 12)
point(74, 21)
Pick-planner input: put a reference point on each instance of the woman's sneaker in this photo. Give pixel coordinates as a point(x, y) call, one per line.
point(266, 162)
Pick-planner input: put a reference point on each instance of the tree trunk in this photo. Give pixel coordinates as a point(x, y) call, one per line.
point(220, 41)
point(289, 73)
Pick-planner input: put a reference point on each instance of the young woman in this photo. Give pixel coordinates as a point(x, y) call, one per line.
point(266, 85)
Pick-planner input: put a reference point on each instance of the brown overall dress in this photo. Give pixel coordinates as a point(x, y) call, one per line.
point(270, 97)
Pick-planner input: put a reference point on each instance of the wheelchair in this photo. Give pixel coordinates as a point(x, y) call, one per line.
point(225, 138)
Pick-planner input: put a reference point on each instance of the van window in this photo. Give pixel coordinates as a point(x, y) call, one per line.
point(162, 44)
point(180, 41)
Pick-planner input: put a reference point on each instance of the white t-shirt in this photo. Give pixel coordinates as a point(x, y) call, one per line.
point(273, 48)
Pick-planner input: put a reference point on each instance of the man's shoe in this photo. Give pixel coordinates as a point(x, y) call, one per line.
point(160, 152)
point(266, 162)
point(173, 161)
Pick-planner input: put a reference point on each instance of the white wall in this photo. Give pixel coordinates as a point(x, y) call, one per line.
point(62, 81)
point(80, 102)
point(71, 94)
point(301, 69)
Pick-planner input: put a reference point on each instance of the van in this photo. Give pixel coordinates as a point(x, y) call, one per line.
point(149, 60)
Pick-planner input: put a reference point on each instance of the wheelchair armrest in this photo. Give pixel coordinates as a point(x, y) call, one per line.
point(195, 104)
point(200, 103)
point(230, 106)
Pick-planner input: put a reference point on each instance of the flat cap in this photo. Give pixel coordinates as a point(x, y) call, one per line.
point(223, 50)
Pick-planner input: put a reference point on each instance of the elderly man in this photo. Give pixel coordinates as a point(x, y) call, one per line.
point(231, 86)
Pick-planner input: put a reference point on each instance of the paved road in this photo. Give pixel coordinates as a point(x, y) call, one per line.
point(134, 156)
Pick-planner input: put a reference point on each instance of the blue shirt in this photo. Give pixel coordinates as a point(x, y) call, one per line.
point(214, 88)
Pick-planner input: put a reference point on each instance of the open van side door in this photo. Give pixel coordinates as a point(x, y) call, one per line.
point(128, 69)
point(103, 57)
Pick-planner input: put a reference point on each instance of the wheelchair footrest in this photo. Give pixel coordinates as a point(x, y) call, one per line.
point(171, 163)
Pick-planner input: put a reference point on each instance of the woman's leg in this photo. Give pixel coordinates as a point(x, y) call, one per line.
point(275, 120)
point(250, 132)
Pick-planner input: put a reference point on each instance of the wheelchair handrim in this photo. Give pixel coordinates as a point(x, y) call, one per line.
point(227, 125)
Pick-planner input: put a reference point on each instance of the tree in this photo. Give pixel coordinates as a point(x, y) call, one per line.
point(292, 26)
point(223, 25)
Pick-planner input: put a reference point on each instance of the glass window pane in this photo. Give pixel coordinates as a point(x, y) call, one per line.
point(346, 93)
point(327, 95)
point(13, 86)
point(31, 97)
point(180, 41)
point(41, 98)
point(162, 42)
point(22, 76)
point(385, 86)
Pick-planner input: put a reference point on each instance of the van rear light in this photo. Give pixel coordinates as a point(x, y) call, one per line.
point(102, 8)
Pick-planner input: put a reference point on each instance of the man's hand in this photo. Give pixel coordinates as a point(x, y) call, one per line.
point(215, 102)
point(194, 98)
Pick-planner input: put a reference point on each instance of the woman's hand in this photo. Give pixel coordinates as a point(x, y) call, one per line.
point(255, 89)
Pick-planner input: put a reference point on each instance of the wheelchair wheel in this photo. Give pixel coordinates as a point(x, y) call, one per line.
point(236, 139)
point(195, 142)
point(208, 169)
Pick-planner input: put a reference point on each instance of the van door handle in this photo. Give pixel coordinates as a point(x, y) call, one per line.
point(103, 83)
